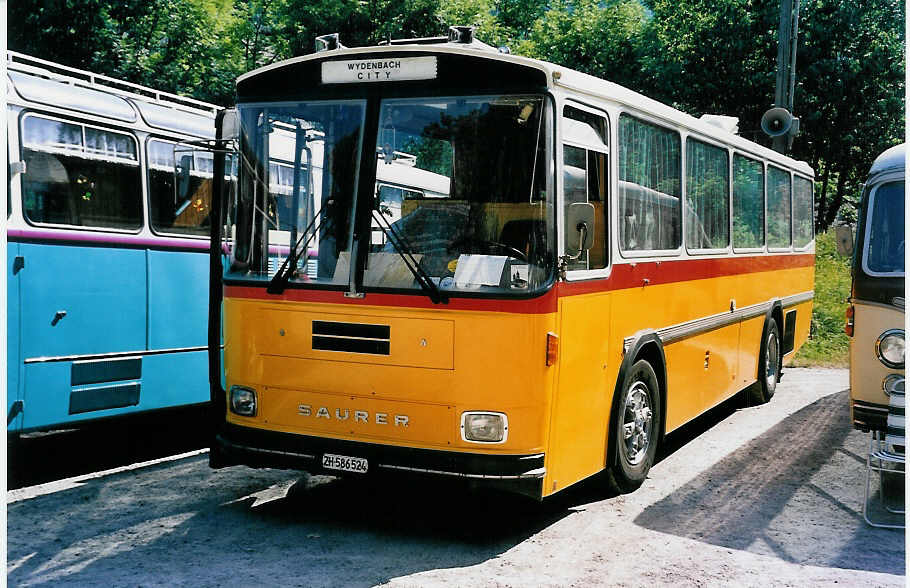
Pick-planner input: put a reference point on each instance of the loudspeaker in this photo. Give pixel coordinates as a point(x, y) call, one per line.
point(776, 122)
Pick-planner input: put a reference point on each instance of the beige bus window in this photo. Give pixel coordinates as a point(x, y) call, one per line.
point(707, 196)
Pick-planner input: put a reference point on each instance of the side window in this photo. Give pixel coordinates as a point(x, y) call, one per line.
point(803, 214)
point(184, 208)
point(778, 208)
point(79, 175)
point(585, 164)
point(649, 186)
point(748, 203)
point(707, 196)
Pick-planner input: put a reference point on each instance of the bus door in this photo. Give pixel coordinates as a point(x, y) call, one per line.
point(82, 287)
point(581, 406)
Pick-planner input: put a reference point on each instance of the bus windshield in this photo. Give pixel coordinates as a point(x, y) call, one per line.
point(884, 252)
point(460, 194)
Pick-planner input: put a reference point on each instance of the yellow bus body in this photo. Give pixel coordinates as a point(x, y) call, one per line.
point(444, 362)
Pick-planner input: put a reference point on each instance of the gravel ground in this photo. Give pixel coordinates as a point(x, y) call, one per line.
point(761, 496)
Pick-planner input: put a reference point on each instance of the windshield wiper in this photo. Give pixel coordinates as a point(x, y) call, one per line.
point(281, 278)
point(403, 249)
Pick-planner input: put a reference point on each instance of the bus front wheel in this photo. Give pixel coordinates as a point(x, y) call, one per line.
point(768, 365)
point(635, 425)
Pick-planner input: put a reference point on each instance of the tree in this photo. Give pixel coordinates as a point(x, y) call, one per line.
point(598, 38)
point(719, 56)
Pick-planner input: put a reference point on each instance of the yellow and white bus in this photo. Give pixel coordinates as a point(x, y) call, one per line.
point(594, 270)
point(875, 317)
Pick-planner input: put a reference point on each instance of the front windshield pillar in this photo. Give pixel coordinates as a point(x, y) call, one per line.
point(360, 211)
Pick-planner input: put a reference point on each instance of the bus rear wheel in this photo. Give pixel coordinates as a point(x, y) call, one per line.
point(769, 363)
point(635, 425)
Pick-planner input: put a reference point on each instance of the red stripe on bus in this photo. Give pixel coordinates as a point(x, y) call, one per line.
point(622, 276)
point(652, 273)
point(543, 304)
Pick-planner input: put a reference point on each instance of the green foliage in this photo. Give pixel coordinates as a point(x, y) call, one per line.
point(598, 38)
point(701, 56)
point(828, 345)
point(433, 155)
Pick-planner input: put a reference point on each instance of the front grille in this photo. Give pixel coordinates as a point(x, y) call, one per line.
point(351, 337)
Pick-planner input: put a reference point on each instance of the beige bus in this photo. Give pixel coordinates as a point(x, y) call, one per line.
point(875, 317)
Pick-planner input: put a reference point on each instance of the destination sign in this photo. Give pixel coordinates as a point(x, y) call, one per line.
point(390, 69)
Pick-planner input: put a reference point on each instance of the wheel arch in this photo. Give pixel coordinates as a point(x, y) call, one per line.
point(645, 345)
point(776, 313)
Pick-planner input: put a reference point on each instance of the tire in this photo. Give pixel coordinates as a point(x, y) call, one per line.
point(769, 362)
point(634, 427)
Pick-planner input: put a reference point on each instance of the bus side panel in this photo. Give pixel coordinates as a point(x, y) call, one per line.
point(174, 379)
point(803, 323)
point(178, 300)
point(13, 359)
point(701, 373)
point(76, 301)
point(750, 346)
point(587, 375)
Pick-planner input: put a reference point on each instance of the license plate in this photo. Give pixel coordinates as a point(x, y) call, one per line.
point(344, 463)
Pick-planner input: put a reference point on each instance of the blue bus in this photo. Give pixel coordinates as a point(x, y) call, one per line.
point(107, 266)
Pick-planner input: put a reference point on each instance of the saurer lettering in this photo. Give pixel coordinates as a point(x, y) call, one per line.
point(359, 416)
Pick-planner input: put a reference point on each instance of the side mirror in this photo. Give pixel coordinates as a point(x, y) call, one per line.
point(844, 237)
point(182, 185)
point(230, 125)
point(579, 228)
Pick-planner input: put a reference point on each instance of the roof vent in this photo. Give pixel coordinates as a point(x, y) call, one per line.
point(461, 35)
point(727, 123)
point(328, 43)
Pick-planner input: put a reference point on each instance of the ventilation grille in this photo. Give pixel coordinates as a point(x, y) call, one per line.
point(351, 337)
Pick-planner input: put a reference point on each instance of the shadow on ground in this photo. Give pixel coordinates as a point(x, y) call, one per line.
point(37, 458)
point(181, 523)
point(801, 480)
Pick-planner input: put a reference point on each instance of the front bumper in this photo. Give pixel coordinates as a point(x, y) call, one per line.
point(870, 417)
point(235, 445)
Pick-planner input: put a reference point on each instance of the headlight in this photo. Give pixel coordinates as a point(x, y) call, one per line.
point(243, 401)
point(484, 427)
point(893, 384)
point(890, 348)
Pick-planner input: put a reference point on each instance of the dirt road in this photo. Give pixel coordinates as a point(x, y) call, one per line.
point(763, 496)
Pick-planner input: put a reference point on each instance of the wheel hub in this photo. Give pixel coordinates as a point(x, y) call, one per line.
point(637, 423)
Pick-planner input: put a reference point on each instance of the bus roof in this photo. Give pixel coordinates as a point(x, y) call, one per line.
point(892, 159)
point(46, 82)
point(558, 76)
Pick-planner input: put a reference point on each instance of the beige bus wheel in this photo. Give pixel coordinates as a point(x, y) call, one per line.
point(635, 427)
point(768, 366)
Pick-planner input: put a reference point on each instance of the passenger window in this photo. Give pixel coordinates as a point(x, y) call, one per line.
point(183, 209)
point(803, 213)
point(748, 203)
point(585, 179)
point(649, 186)
point(778, 208)
point(80, 176)
point(707, 196)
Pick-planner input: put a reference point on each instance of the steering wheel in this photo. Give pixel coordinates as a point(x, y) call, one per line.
point(488, 246)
